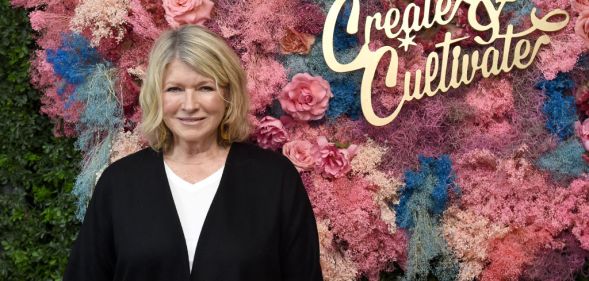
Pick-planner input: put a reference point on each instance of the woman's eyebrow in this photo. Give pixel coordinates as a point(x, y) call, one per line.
point(206, 81)
point(173, 82)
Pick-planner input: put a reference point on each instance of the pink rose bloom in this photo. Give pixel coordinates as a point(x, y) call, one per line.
point(270, 133)
point(180, 12)
point(331, 161)
point(300, 153)
point(582, 26)
point(582, 131)
point(305, 97)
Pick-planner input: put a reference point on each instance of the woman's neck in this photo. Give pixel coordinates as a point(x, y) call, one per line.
point(196, 153)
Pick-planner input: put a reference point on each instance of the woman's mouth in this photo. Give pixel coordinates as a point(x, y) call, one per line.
point(190, 120)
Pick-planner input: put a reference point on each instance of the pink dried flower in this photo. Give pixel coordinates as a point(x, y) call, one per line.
point(582, 130)
point(580, 5)
point(179, 12)
point(105, 19)
point(331, 161)
point(126, 143)
point(562, 53)
point(270, 133)
point(579, 195)
point(509, 255)
point(335, 266)
point(358, 230)
point(265, 78)
point(491, 98)
point(141, 21)
point(552, 5)
point(582, 25)
point(300, 153)
point(581, 229)
point(310, 18)
point(510, 191)
point(306, 97)
point(468, 235)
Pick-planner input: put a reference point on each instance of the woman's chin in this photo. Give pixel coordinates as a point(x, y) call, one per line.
point(187, 137)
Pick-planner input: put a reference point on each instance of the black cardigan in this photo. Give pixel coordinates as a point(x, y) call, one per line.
point(260, 225)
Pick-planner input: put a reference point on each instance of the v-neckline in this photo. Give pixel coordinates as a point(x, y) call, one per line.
point(170, 199)
point(198, 183)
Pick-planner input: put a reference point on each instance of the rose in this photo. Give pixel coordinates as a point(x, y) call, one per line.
point(300, 153)
point(582, 26)
point(180, 12)
point(305, 97)
point(296, 42)
point(331, 161)
point(582, 130)
point(270, 133)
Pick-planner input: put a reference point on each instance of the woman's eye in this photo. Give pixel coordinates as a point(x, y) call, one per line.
point(173, 89)
point(207, 88)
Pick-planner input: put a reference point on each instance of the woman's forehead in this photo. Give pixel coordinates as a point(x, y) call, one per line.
point(177, 70)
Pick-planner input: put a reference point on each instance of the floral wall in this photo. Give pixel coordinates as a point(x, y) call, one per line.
point(488, 181)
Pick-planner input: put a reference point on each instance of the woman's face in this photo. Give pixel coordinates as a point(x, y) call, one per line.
point(193, 107)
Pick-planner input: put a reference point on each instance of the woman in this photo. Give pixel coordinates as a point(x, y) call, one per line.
point(198, 204)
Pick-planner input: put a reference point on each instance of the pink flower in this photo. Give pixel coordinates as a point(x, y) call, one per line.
point(180, 12)
point(582, 26)
point(270, 133)
point(305, 97)
point(331, 161)
point(582, 131)
point(300, 153)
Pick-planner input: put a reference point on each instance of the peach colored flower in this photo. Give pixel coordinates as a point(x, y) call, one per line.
point(179, 12)
point(126, 143)
point(331, 161)
point(582, 26)
point(270, 133)
point(306, 97)
point(582, 130)
point(300, 153)
point(296, 42)
point(104, 19)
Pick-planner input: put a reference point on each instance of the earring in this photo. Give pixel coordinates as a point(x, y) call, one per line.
point(224, 134)
point(162, 135)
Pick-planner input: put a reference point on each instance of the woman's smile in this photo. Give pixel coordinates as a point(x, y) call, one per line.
point(191, 120)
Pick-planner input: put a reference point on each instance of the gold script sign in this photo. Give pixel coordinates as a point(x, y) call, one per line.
point(463, 67)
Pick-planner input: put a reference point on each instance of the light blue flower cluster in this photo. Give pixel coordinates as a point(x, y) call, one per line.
point(93, 81)
point(423, 200)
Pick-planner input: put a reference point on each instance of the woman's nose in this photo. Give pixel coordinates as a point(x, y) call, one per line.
point(190, 100)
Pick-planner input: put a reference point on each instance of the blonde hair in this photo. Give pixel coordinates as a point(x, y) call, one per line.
point(209, 55)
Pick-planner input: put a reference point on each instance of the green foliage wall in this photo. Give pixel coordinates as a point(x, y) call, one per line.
point(37, 170)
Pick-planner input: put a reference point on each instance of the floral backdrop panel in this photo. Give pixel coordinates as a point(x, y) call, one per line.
point(485, 181)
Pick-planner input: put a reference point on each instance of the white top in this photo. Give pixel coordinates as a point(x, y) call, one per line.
point(192, 204)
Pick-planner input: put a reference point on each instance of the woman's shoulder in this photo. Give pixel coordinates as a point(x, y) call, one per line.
point(267, 167)
point(257, 156)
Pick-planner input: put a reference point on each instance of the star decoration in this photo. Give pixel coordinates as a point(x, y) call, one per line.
point(407, 41)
